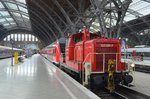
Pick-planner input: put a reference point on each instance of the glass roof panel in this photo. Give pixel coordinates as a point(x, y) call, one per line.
point(13, 23)
point(6, 24)
point(9, 19)
point(4, 13)
point(24, 16)
point(22, 1)
point(16, 14)
point(1, 5)
point(19, 19)
point(11, 6)
point(23, 9)
point(2, 20)
point(138, 5)
point(129, 17)
point(145, 10)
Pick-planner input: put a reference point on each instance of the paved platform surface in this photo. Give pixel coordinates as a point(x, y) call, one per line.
point(141, 83)
point(37, 78)
point(144, 62)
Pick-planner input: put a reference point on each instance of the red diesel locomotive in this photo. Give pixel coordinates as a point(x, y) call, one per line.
point(96, 60)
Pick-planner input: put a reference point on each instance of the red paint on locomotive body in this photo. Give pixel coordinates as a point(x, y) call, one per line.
point(87, 47)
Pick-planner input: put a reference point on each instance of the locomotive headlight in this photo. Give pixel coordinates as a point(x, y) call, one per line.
point(132, 65)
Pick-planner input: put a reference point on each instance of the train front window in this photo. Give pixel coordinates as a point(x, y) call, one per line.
point(77, 38)
point(93, 36)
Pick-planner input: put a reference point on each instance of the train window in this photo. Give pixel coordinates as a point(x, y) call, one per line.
point(54, 51)
point(93, 36)
point(77, 38)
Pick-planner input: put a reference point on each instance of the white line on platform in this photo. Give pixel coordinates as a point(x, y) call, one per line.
point(66, 88)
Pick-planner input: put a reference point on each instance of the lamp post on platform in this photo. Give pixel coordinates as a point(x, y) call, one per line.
point(12, 42)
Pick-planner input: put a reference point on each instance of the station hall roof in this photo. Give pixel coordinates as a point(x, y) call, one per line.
point(52, 19)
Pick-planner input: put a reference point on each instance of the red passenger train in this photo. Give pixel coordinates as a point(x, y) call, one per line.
point(96, 60)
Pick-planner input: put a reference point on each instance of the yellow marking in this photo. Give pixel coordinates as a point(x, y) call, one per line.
point(111, 85)
point(16, 57)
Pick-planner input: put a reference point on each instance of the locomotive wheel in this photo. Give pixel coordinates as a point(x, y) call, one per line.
point(89, 86)
point(80, 78)
point(91, 83)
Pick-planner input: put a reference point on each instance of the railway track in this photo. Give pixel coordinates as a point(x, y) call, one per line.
point(104, 94)
point(121, 92)
point(130, 94)
point(142, 68)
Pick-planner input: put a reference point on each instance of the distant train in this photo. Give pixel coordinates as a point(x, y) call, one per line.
point(96, 60)
point(145, 51)
point(6, 52)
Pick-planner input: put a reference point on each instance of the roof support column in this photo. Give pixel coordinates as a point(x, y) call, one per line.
point(99, 13)
point(72, 26)
point(104, 8)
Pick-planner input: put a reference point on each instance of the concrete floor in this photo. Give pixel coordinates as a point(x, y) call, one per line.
point(37, 78)
point(141, 83)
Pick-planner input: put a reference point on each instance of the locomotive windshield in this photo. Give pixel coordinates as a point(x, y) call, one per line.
point(62, 44)
point(93, 36)
point(77, 38)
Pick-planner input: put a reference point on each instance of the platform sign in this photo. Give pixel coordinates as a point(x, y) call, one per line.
point(16, 57)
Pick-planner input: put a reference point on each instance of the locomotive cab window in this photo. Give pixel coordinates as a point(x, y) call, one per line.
point(77, 38)
point(93, 36)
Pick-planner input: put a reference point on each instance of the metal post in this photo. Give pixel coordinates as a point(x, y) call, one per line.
point(12, 51)
point(12, 56)
point(103, 62)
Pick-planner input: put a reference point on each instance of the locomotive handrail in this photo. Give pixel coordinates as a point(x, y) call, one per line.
point(83, 67)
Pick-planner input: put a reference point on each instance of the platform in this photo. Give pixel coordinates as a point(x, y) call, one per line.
point(37, 78)
point(141, 83)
